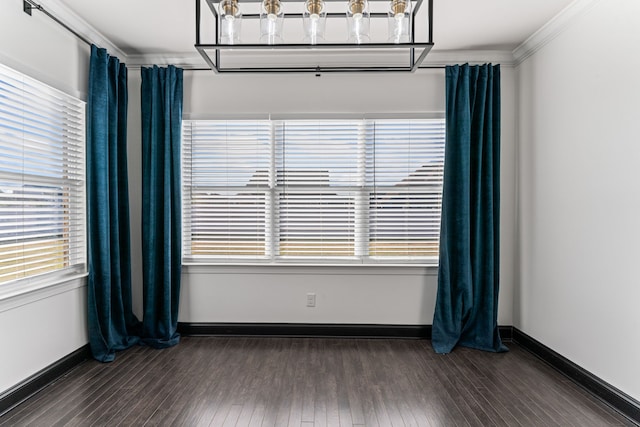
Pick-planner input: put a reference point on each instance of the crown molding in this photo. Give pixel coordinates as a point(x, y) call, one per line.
point(452, 57)
point(552, 29)
point(82, 27)
point(185, 60)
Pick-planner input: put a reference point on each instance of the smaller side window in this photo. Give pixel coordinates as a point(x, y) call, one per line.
point(42, 179)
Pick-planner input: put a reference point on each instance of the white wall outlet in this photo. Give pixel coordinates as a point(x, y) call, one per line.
point(311, 300)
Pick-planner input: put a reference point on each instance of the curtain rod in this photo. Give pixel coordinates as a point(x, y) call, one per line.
point(425, 67)
point(29, 5)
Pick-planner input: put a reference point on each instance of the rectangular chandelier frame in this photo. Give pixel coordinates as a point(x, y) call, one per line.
point(414, 50)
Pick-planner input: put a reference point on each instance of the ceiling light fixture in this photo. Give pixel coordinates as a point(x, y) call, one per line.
point(359, 44)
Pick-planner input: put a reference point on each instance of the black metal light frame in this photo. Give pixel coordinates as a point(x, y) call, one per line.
point(414, 60)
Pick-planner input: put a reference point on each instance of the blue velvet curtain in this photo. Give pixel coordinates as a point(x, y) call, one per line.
point(468, 273)
point(112, 325)
point(161, 203)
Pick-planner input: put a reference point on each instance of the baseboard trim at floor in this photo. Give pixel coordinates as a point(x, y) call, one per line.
point(307, 330)
point(38, 381)
point(506, 333)
point(316, 330)
point(618, 400)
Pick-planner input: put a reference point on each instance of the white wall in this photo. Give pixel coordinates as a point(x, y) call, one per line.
point(40, 48)
point(359, 295)
point(579, 194)
point(355, 294)
point(41, 327)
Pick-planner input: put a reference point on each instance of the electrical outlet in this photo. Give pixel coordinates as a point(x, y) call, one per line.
point(311, 300)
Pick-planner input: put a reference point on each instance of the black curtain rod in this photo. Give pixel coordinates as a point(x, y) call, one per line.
point(29, 5)
point(425, 67)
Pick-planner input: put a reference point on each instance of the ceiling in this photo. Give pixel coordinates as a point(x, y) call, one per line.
point(167, 27)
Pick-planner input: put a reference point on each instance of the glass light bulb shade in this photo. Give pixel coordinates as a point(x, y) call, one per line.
point(399, 21)
point(271, 20)
point(314, 20)
point(358, 21)
point(230, 22)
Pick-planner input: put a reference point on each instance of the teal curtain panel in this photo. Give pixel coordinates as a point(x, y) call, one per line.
point(468, 273)
point(161, 105)
point(112, 324)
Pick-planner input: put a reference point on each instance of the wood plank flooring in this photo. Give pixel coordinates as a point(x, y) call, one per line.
point(220, 381)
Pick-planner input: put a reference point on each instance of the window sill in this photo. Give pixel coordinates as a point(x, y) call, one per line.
point(321, 269)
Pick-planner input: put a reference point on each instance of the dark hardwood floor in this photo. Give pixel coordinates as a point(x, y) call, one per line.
point(313, 382)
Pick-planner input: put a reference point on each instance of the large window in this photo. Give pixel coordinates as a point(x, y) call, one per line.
point(360, 191)
point(42, 180)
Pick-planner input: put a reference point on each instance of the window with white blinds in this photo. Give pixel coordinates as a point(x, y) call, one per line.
point(312, 190)
point(320, 168)
point(226, 188)
point(42, 179)
point(405, 181)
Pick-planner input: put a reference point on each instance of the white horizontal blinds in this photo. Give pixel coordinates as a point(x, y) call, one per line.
point(42, 178)
point(226, 179)
point(319, 175)
point(312, 189)
point(406, 178)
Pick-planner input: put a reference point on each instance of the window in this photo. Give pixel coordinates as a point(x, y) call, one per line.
point(361, 191)
point(42, 179)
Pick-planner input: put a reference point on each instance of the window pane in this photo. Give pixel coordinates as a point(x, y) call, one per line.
point(229, 154)
point(406, 176)
point(319, 153)
point(226, 178)
point(318, 224)
point(227, 223)
point(316, 161)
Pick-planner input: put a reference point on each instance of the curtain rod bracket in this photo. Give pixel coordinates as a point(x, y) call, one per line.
point(26, 7)
point(29, 5)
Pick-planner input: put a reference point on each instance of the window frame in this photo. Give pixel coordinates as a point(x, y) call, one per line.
point(363, 193)
point(70, 121)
